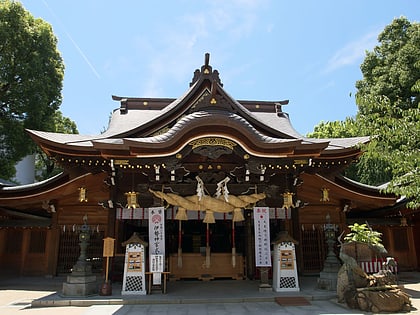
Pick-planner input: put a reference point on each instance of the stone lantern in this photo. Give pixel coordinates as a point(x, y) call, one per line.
point(82, 282)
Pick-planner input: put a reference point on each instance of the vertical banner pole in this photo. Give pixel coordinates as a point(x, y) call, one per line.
point(107, 270)
point(233, 245)
point(179, 243)
point(207, 246)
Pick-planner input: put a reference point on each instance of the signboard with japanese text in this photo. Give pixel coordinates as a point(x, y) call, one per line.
point(156, 231)
point(157, 242)
point(108, 250)
point(157, 263)
point(262, 236)
point(134, 281)
point(285, 276)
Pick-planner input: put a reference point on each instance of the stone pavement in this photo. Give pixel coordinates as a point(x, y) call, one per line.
point(30, 295)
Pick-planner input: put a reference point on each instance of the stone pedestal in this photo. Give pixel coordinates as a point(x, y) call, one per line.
point(80, 286)
point(327, 281)
point(81, 282)
point(264, 285)
point(328, 276)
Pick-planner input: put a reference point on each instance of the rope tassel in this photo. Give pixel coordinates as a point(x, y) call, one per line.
point(209, 218)
point(181, 215)
point(237, 215)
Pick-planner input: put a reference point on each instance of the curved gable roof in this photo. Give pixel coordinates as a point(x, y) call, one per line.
point(162, 126)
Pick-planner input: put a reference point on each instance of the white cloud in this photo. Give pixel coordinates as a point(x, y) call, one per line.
point(353, 52)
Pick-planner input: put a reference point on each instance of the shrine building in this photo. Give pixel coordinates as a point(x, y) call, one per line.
point(210, 161)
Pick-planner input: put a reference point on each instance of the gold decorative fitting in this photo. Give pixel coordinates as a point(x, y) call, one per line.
point(325, 195)
point(213, 101)
point(82, 194)
point(178, 156)
point(132, 199)
point(212, 142)
point(287, 200)
point(121, 162)
point(301, 161)
point(206, 71)
point(145, 103)
point(246, 156)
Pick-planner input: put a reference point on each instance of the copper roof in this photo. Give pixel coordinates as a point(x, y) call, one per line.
point(163, 126)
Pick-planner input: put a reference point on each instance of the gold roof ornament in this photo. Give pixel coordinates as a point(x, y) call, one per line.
point(288, 200)
point(325, 195)
point(82, 194)
point(132, 199)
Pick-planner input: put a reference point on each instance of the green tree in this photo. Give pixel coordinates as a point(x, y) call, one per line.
point(335, 129)
point(44, 166)
point(31, 75)
point(388, 110)
point(388, 102)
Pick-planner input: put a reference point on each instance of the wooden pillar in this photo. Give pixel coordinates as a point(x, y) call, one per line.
point(296, 234)
point(26, 237)
point(52, 246)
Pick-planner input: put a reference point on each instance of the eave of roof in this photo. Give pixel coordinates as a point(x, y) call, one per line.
point(260, 128)
point(361, 199)
point(37, 192)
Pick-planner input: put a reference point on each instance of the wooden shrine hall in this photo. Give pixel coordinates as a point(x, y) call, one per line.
point(208, 160)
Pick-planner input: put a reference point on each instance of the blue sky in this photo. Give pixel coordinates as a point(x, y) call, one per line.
point(308, 52)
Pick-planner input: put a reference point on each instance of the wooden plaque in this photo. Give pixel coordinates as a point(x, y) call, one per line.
point(108, 247)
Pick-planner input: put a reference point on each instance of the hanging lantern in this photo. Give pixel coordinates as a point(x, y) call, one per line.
point(82, 194)
point(132, 200)
point(325, 195)
point(287, 200)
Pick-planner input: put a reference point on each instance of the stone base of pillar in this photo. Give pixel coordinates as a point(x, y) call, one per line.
point(80, 286)
point(265, 288)
point(327, 281)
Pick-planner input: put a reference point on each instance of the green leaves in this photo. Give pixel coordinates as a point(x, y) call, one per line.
point(363, 234)
point(389, 111)
point(31, 75)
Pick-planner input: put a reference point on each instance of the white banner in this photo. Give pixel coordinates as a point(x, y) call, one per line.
point(262, 236)
point(157, 231)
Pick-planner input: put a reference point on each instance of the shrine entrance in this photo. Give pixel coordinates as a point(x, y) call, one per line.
point(207, 251)
point(196, 250)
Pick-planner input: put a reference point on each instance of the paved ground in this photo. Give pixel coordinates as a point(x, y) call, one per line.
point(17, 295)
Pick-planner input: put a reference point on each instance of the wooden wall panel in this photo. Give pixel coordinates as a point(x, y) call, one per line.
point(317, 215)
point(74, 215)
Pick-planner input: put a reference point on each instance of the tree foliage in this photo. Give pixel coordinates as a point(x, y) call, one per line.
point(388, 110)
point(44, 166)
point(335, 129)
point(364, 234)
point(388, 101)
point(31, 75)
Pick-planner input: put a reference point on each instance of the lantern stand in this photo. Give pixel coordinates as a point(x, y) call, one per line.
point(328, 276)
point(81, 282)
